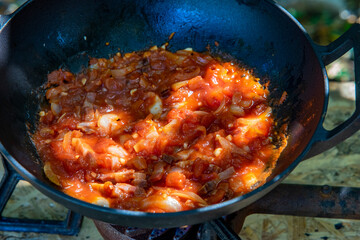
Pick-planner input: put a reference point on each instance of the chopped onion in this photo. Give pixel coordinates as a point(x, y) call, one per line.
point(139, 176)
point(267, 112)
point(186, 51)
point(217, 152)
point(139, 179)
point(236, 184)
point(221, 107)
point(178, 85)
point(117, 177)
point(50, 174)
point(101, 202)
point(152, 133)
point(166, 203)
point(128, 188)
point(46, 131)
point(55, 108)
point(167, 158)
point(139, 146)
point(236, 98)
point(246, 148)
point(189, 195)
point(246, 103)
point(90, 97)
point(143, 82)
point(87, 127)
point(201, 129)
point(172, 127)
point(203, 61)
point(224, 142)
point(237, 110)
point(153, 48)
point(53, 93)
point(227, 173)
point(201, 113)
point(81, 146)
point(227, 145)
point(94, 66)
point(61, 117)
point(158, 172)
point(209, 186)
point(124, 138)
point(250, 179)
point(175, 57)
point(120, 73)
point(183, 155)
point(89, 113)
point(139, 162)
point(184, 164)
point(188, 73)
point(156, 108)
point(115, 162)
point(117, 151)
point(108, 123)
point(67, 141)
point(237, 150)
point(179, 105)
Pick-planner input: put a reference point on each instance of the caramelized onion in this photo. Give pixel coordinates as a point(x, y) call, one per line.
point(221, 107)
point(117, 151)
point(236, 98)
point(50, 174)
point(237, 110)
point(178, 85)
point(188, 73)
point(120, 73)
point(116, 177)
point(108, 123)
point(101, 201)
point(189, 195)
point(56, 108)
point(246, 103)
point(227, 173)
point(166, 203)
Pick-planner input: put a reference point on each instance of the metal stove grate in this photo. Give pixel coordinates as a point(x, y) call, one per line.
point(70, 226)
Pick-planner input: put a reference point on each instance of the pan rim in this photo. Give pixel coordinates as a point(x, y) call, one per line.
point(73, 202)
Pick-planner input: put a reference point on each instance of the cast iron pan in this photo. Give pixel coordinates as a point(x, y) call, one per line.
point(46, 34)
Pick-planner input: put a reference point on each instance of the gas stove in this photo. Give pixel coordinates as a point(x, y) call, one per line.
point(319, 200)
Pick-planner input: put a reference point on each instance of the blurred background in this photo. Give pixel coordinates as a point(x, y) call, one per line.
point(325, 21)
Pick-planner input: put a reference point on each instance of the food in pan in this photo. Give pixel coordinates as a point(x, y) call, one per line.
point(157, 131)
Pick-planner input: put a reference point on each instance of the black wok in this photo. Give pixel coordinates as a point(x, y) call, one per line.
point(46, 34)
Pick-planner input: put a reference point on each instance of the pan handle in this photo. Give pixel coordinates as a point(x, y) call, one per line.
point(328, 139)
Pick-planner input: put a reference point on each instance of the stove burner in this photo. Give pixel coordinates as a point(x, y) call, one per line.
point(109, 231)
point(286, 199)
point(69, 226)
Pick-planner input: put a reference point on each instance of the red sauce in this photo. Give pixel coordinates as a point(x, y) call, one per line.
point(156, 131)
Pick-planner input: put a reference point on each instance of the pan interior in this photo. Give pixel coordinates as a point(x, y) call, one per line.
point(261, 36)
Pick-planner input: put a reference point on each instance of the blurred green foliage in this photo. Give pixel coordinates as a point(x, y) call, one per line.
point(323, 26)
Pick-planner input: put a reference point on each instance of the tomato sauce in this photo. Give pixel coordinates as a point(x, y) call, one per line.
point(157, 131)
